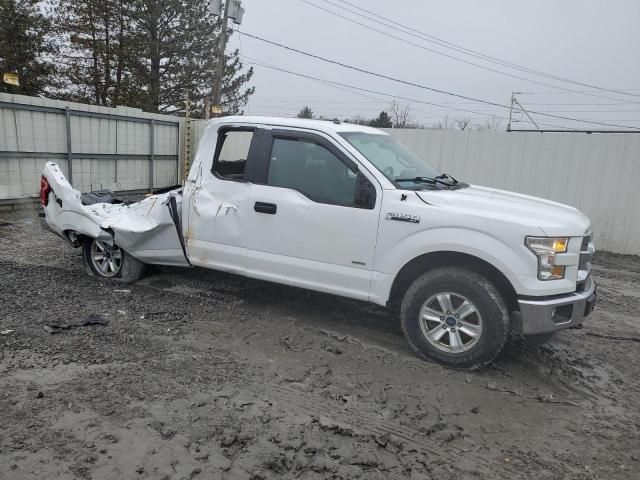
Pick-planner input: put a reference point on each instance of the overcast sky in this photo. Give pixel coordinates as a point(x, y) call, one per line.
point(589, 41)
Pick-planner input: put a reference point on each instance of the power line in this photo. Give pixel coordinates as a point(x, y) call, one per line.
point(322, 100)
point(577, 91)
point(592, 111)
point(369, 102)
point(556, 104)
point(566, 130)
point(417, 85)
point(467, 51)
point(338, 85)
point(332, 83)
point(550, 103)
point(453, 57)
point(356, 91)
point(317, 100)
point(368, 72)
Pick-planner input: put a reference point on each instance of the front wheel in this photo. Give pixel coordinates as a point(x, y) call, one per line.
point(455, 317)
point(110, 261)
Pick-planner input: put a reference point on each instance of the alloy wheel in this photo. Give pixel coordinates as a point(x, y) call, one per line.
point(450, 322)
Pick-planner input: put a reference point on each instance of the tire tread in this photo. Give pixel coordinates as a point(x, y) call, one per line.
point(475, 358)
point(131, 271)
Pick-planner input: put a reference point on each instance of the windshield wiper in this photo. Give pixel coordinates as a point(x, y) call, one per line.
point(446, 175)
point(430, 180)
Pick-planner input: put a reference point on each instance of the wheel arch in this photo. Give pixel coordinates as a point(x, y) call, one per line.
point(75, 239)
point(429, 261)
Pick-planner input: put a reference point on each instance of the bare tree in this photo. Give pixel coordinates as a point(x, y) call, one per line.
point(491, 124)
point(400, 115)
point(463, 124)
point(444, 124)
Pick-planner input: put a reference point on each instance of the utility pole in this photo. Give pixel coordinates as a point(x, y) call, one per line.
point(232, 9)
point(187, 140)
point(525, 112)
point(513, 98)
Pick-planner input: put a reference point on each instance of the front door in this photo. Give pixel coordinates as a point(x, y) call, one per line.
point(314, 216)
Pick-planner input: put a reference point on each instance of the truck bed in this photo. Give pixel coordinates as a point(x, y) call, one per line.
point(148, 229)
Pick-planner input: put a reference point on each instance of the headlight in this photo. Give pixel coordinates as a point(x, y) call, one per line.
point(546, 249)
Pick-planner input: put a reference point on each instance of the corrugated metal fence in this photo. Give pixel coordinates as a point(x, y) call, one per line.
point(597, 173)
point(123, 148)
point(96, 147)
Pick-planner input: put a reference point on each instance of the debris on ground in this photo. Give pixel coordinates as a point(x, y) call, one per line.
point(93, 319)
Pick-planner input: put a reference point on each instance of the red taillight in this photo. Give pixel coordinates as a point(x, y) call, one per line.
point(45, 188)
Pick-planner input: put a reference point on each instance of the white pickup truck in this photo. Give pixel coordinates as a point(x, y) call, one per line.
point(345, 209)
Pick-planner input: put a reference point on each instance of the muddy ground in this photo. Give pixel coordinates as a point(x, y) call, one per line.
point(204, 375)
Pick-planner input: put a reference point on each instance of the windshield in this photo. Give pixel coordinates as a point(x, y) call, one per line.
point(394, 160)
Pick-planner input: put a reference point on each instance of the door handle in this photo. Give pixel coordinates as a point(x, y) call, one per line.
point(262, 207)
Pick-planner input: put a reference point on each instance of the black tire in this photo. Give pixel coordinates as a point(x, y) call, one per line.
point(130, 270)
point(489, 305)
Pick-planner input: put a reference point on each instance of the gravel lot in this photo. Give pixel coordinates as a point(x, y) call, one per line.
point(206, 375)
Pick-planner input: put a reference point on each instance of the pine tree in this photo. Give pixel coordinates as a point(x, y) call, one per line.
point(149, 54)
point(25, 47)
point(96, 50)
point(234, 95)
point(306, 112)
point(177, 45)
point(383, 121)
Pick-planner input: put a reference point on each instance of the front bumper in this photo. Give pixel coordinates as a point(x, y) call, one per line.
point(559, 312)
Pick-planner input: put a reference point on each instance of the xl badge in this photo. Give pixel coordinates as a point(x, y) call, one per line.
point(403, 217)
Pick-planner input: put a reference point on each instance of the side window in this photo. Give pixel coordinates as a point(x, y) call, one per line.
point(232, 151)
point(311, 169)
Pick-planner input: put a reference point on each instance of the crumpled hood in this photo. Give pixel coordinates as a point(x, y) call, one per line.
point(552, 217)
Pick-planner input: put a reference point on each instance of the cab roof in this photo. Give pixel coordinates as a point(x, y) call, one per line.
point(322, 125)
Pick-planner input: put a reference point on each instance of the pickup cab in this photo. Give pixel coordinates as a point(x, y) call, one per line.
point(347, 210)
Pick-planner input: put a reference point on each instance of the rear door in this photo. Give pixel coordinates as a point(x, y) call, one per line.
point(219, 202)
point(314, 215)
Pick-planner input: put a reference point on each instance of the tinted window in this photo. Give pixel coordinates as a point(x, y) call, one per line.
point(312, 170)
point(232, 152)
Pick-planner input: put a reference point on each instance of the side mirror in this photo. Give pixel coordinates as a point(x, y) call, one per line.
point(365, 196)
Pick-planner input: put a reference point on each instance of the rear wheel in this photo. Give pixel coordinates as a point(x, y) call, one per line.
point(110, 261)
point(455, 317)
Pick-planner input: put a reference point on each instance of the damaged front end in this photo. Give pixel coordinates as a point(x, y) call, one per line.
point(149, 230)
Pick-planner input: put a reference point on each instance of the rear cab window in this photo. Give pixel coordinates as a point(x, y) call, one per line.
point(232, 152)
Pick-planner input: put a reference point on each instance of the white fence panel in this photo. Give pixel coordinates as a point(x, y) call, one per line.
point(110, 147)
point(597, 173)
